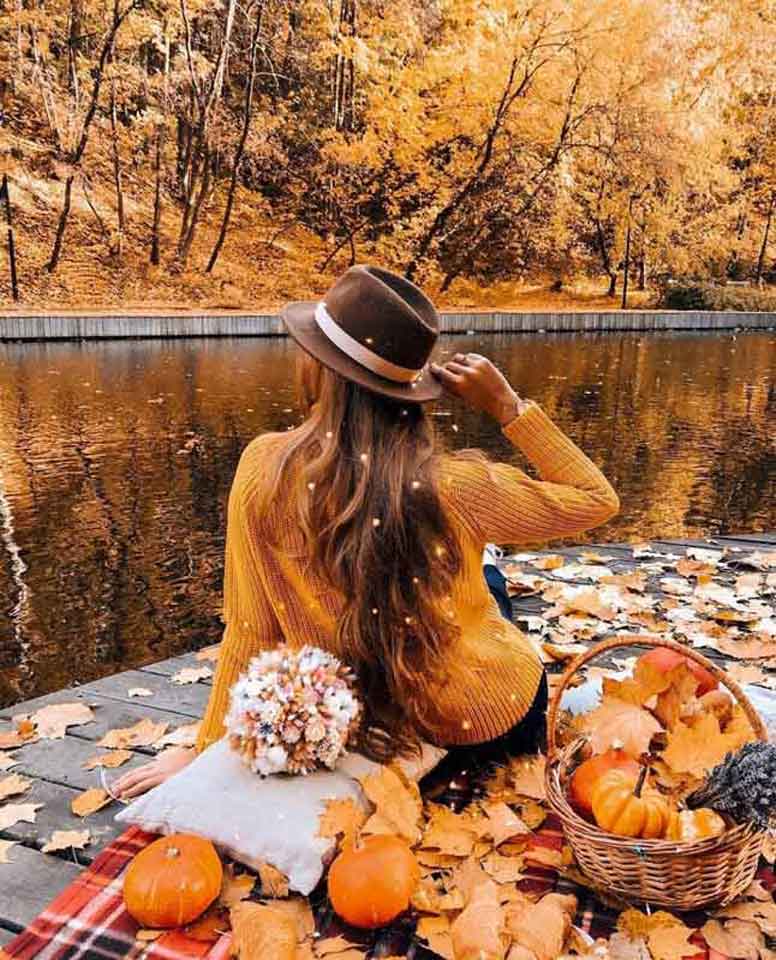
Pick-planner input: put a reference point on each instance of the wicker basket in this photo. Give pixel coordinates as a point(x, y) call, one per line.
point(684, 875)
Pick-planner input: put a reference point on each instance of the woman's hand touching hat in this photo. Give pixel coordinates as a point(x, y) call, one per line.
point(481, 385)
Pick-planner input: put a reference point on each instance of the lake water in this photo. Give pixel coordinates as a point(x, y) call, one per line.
point(116, 460)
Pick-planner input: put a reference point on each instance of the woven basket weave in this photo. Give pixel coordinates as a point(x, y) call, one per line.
point(684, 875)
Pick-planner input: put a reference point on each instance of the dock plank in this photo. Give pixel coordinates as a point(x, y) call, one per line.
point(167, 668)
point(189, 699)
point(55, 814)
point(753, 538)
point(61, 761)
point(110, 713)
point(30, 882)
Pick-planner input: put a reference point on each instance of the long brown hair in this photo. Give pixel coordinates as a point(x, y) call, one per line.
point(366, 472)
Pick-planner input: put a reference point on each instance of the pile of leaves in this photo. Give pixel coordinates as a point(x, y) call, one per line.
point(488, 874)
point(720, 601)
point(475, 898)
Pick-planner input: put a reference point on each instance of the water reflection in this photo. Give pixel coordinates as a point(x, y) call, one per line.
point(116, 459)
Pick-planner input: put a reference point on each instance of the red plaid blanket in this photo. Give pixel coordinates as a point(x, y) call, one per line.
point(88, 919)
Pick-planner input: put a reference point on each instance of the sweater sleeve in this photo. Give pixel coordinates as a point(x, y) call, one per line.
point(502, 504)
point(250, 622)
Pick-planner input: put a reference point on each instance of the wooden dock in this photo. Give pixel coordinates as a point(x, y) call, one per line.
point(31, 878)
point(92, 326)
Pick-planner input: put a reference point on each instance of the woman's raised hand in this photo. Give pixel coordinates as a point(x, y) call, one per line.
point(480, 384)
point(138, 781)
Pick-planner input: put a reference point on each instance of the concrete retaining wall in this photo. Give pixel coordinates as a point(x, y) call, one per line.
point(117, 326)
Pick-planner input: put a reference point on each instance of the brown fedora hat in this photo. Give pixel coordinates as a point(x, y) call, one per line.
point(372, 327)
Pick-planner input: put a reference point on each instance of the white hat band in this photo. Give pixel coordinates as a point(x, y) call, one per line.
point(358, 352)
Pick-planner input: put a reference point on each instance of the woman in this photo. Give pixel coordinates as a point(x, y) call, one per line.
point(355, 533)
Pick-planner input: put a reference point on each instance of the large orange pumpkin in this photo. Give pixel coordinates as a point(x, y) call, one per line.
point(172, 881)
point(665, 659)
point(619, 806)
point(371, 884)
point(589, 772)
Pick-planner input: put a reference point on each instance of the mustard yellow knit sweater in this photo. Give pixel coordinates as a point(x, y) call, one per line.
point(270, 596)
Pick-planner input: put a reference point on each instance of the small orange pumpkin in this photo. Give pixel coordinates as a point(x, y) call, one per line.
point(172, 881)
point(695, 824)
point(589, 772)
point(371, 884)
point(619, 807)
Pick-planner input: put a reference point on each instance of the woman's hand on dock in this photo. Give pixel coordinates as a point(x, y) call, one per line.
point(480, 384)
point(138, 781)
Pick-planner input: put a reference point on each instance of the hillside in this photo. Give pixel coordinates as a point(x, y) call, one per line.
point(491, 152)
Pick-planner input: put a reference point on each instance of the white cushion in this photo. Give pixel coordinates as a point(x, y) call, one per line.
point(253, 820)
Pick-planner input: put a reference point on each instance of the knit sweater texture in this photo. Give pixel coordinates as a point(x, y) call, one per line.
point(272, 596)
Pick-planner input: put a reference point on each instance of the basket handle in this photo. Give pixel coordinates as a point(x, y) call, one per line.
point(641, 640)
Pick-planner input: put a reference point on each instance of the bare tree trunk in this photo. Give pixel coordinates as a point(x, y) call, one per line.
point(19, 45)
point(202, 157)
point(758, 278)
point(103, 229)
point(641, 282)
point(184, 248)
point(75, 157)
point(606, 260)
point(120, 219)
point(248, 107)
point(160, 138)
point(343, 80)
point(627, 257)
point(192, 179)
point(64, 214)
point(38, 74)
point(74, 46)
point(155, 228)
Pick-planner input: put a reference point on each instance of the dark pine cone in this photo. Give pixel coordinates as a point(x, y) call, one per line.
point(742, 786)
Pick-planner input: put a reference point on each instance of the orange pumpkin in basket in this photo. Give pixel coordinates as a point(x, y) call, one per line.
point(372, 883)
point(172, 881)
point(619, 806)
point(665, 659)
point(695, 825)
point(589, 772)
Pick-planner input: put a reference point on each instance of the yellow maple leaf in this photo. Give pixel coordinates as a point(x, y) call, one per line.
point(615, 721)
point(273, 882)
point(342, 817)
point(671, 942)
point(477, 930)
point(503, 823)
point(260, 931)
point(526, 776)
point(112, 759)
point(697, 746)
point(235, 887)
point(542, 927)
point(638, 925)
point(449, 832)
point(397, 802)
